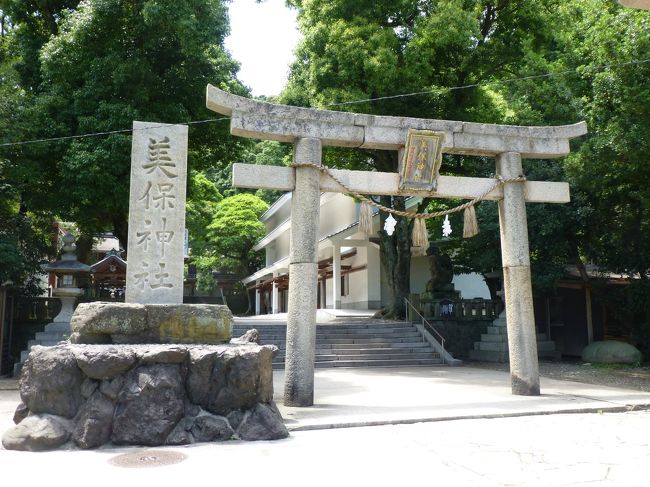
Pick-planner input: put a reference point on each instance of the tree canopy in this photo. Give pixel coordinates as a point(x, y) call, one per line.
point(70, 68)
point(362, 50)
point(94, 68)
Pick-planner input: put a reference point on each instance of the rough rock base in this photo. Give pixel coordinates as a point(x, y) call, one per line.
point(90, 395)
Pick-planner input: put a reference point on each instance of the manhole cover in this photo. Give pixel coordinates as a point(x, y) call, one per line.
point(148, 458)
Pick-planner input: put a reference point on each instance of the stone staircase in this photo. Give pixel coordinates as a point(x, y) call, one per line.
point(493, 346)
point(354, 344)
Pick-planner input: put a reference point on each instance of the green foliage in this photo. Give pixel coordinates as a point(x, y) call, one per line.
point(360, 50)
point(21, 251)
point(234, 230)
point(203, 199)
point(106, 63)
point(23, 240)
point(612, 167)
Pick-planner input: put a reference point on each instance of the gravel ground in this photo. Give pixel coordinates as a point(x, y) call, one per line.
point(637, 378)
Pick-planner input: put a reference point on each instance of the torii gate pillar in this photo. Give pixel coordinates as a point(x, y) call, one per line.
point(515, 259)
point(303, 276)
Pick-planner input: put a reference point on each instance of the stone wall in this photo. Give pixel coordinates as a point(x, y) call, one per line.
point(90, 395)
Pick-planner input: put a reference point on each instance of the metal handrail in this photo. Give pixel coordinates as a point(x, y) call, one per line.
point(428, 326)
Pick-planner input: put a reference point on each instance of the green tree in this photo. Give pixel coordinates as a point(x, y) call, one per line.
point(599, 66)
point(23, 241)
point(23, 234)
point(105, 64)
point(612, 166)
point(231, 235)
point(234, 230)
point(366, 50)
point(203, 199)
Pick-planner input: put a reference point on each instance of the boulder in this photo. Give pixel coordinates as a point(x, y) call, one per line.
point(263, 422)
point(235, 418)
point(611, 352)
point(40, 432)
point(50, 381)
point(93, 425)
point(127, 323)
point(99, 318)
point(104, 362)
point(159, 354)
point(189, 323)
point(251, 336)
point(221, 380)
point(20, 413)
point(207, 427)
point(88, 387)
point(182, 432)
point(111, 388)
point(149, 405)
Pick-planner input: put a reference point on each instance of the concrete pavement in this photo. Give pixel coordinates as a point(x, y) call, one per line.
point(363, 397)
point(542, 445)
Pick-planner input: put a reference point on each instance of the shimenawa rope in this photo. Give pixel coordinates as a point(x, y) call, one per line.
point(471, 226)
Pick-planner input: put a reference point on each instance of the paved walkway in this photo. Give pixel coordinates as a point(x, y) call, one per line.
point(359, 397)
point(540, 445)
point(322, 316)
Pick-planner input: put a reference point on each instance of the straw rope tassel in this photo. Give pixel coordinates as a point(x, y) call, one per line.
point(419, 227)
point(470, 227)
point(365, 218)
point(420, 234)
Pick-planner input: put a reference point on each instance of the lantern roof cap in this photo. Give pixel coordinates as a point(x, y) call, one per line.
point(68, 262)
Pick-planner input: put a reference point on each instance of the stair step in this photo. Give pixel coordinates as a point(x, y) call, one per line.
point(491, 346)
point(46, 335)
point(488, 356)
point(371, 351)
point(346, 336)
point(372, 363)
point(325, 357)
point(354, 346)
point(497, 330)
point(58, 327)
point(378, 363)
point(494, 338)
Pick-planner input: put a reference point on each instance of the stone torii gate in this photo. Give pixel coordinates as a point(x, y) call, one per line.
point(309, 129)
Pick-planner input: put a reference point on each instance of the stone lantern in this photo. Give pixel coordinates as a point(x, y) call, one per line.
point(68, 270)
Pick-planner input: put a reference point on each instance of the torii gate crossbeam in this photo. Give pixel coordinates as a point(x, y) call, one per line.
point(309, 129)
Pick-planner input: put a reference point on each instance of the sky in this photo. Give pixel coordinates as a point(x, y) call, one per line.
point(263, 37)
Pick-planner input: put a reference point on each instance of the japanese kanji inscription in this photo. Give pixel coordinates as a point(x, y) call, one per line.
point(156, 214)
point(422, 159)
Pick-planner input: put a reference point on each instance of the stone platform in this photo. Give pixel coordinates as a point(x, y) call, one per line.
point(166, 394)
point(106, 322)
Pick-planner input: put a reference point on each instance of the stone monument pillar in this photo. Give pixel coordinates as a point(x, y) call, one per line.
point(515, 258)
point(155, 264)
point(303, 277)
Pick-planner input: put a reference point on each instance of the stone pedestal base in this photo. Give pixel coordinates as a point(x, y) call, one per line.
point(124, 323)
point(90, 395)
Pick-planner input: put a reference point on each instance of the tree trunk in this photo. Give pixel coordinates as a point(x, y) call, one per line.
point(121, 231)
point(395, 250)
